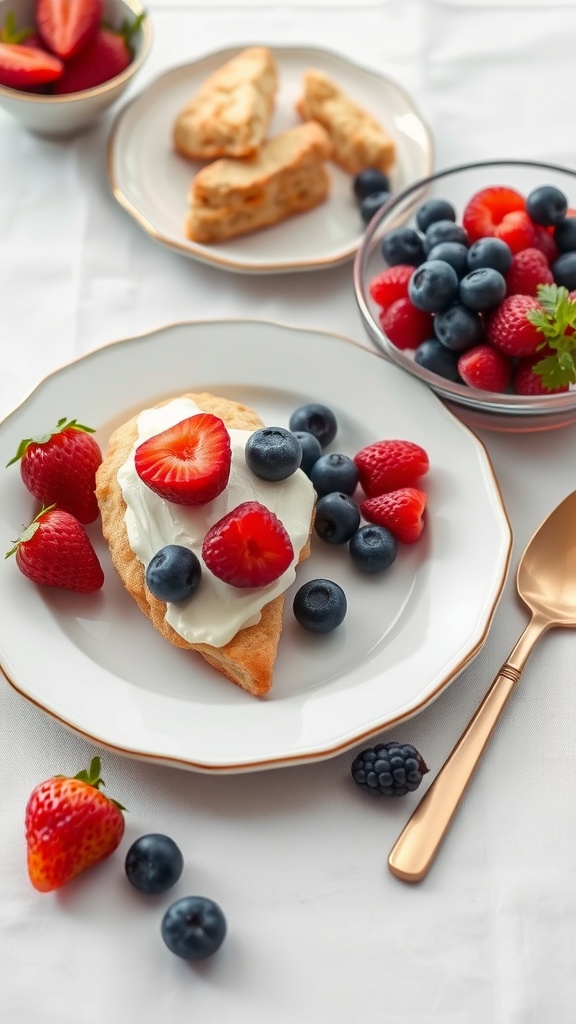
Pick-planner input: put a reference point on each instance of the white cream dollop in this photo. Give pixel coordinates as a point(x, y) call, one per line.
point(217, 611)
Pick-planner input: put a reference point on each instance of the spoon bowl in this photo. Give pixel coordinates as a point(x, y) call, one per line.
point(546, 583)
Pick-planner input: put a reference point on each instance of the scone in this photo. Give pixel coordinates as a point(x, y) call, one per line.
point(230, 113)
point(219, 621)
point(358, 140)
point(234, 197)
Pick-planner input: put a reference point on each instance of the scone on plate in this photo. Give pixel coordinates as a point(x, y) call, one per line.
point(230, 113)
point(235, 628)
point(358, 140)
point(234, 197)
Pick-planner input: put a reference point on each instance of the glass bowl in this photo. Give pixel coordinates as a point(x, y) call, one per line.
point(484, 409)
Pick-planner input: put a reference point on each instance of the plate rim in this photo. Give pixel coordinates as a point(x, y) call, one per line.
point(326, 751)
point(193, 250)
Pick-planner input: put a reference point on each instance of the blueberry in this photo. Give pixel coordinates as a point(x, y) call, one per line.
point(458, 328)
point(371, 204)
point(434, 356)
point(403, 245)
point(334, 472)
point(373, 549)
point(173, 573)
point(564, 270)
point(565, 235)
point(337, 518)
point(320, 606)
point(368, 181)
point(453, 253)
point(444, 231)
point(433, 210)
point(311, 449)
point(546, 205)
point(433, 286)
point(153, 863)
point(490, 252)
point(193, 927)
point(482, 289)
point(273, 453)
point(315, 419)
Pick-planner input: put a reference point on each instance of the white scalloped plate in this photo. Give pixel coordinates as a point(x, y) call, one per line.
point(96, 663)
point(151, 181)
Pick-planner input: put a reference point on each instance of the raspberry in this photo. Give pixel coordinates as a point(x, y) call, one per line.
point(389, 769)
point(486, 210)
point(391, 284)
point(400, 511)
point(404, 325)
point(529, 269)
point(485, 368)
point(526, 382)
point(388, 465)
point(545, 243)
point(510, 331)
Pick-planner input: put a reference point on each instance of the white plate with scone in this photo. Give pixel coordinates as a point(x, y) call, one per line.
point(97, 664)
point(245, 158)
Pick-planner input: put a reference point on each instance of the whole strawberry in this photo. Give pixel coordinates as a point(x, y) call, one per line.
point(509, 328)
point(486, 368)
point(529, 269)
point(55, 551)
point(70, 825)
point(400, 511)
point(388, 465)
point(59, 468)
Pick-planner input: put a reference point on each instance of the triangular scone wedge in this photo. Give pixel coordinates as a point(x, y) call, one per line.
point(248, 659)
point(358, 140)
point(230, 113)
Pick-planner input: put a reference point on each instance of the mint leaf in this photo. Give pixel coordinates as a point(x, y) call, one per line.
point(558, 315)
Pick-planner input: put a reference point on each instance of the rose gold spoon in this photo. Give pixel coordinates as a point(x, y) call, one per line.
point(546, 582)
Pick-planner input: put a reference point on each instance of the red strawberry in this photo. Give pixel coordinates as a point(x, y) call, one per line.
point(400, 511)
point(545, 243)
point(404, 325)
point(517, 230)
point(485, 368)
point(529, 269)
point(59, 468)
point(188, 463)
point(70, 825)
point(526, 382)
point(106, 55)
point(388, 465)
point(66, 26)
point(25, 67)
point(55, 551)
point(509, 329)
point(487, 210)
point(249, 547)
point(391, 284)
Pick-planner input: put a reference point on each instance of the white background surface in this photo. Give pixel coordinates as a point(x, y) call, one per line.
point(319, 930)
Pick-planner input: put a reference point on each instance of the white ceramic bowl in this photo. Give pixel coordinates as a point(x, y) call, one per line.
point(484, 409)
point(66, 115)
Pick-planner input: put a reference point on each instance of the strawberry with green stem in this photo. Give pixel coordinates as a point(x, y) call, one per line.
point(55, 551)
point(23, 64)
point(556, 321)
point(106, 55)
point(70, 825)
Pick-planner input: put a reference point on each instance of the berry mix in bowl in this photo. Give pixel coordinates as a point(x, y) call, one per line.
point(63, 64)
point(467, 280)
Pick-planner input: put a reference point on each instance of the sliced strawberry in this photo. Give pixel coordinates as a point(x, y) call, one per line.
point(400, 511)
point(388, 465)
point(66, 26)
point(517, 230)
point(188, 463)
point(23, 67)
point(55, 551)
point(486, 210)
point(106, 55)
point(249, 547)
point(390, 284)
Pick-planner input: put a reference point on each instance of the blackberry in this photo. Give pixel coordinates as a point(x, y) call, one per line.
point(389, 769)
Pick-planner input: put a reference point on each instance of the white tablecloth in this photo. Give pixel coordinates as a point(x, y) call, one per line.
point(319, 929)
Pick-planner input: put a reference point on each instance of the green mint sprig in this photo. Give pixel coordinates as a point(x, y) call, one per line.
point(557, 315)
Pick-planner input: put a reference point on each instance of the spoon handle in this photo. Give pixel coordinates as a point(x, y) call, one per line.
point(417, 845)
